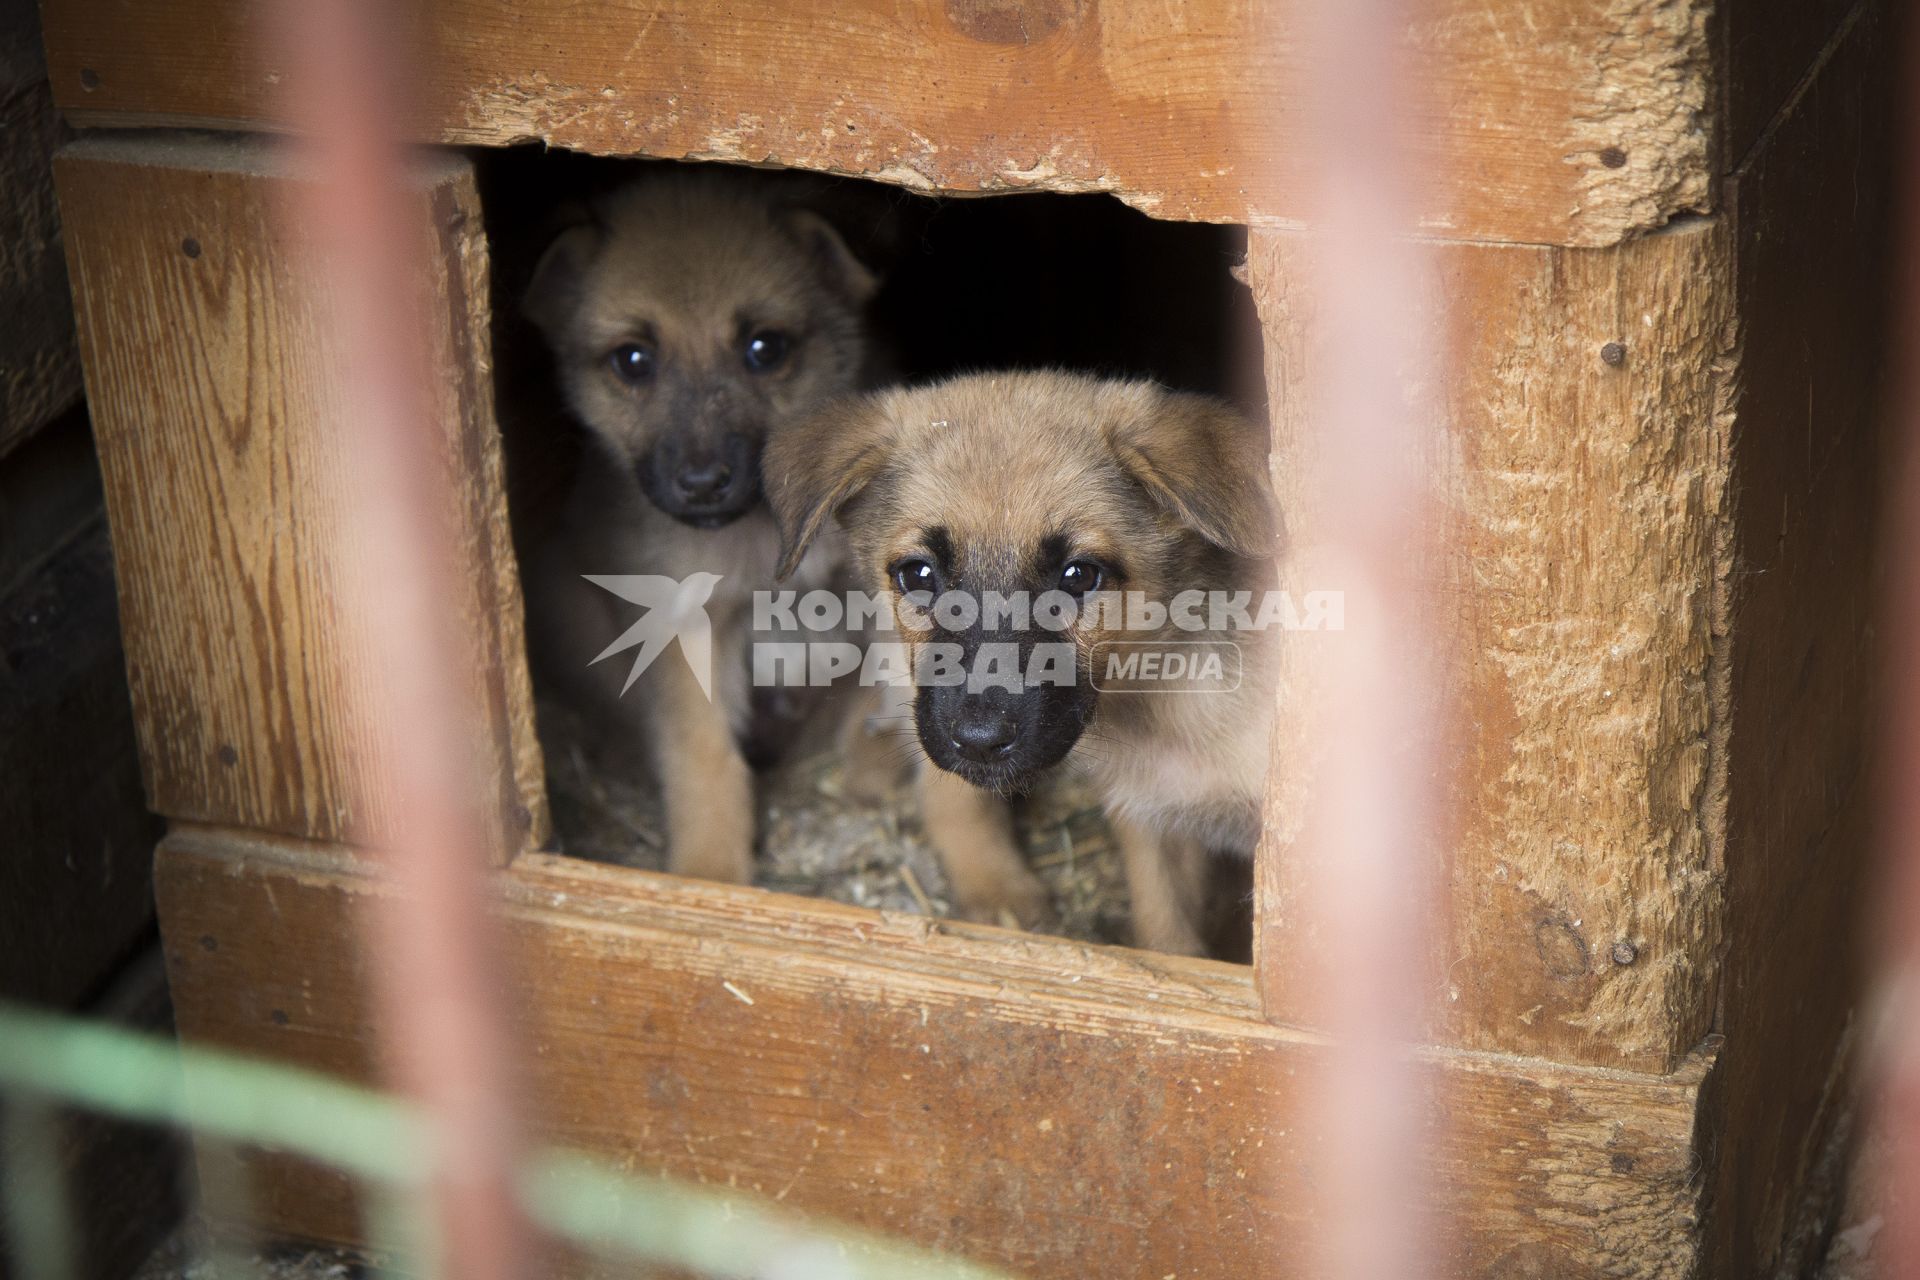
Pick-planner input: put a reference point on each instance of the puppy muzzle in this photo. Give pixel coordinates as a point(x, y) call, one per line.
point(703, 483)
point(995, 736)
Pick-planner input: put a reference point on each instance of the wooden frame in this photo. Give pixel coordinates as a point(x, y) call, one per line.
point(1065, 1109)
point(1642, 520)
point(228, 541)
point(1569, 122)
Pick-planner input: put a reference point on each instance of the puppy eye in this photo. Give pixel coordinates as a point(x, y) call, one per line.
point(632, 362)
point(914, 574)
point(1081, 576)
point(766, 350)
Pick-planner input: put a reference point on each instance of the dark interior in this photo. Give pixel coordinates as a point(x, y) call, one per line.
point(980, 282)
point(1028, 280)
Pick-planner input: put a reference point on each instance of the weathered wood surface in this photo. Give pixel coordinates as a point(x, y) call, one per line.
point(1066, 1110)
point(1768, 47)
point(1560, 121)
point(208, 374)
point(39, 363)
point(1812, 220)
point(76, 872)
point(1581, 477)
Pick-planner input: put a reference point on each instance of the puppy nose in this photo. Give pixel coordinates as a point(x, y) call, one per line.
point(703, 481)
point(982, 734)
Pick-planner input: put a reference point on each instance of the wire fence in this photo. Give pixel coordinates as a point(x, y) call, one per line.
point(452, 1049)
point(467, 1192)
point(48, 1062)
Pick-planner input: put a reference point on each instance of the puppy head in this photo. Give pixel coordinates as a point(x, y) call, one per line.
point(1059, 490)
point(688, 316)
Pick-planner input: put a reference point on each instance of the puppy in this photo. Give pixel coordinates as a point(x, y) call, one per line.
point(689, 316)
point(1099, 493)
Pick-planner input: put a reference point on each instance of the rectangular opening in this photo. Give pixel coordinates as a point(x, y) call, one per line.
point(1030, 281)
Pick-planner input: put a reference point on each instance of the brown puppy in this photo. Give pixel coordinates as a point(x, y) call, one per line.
point(1102, 492)
point(692, 314)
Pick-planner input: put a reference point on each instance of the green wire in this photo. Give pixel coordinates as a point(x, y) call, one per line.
point(153, 1080)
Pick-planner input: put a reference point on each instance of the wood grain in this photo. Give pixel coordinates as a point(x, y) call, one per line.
point(1561, 121)
point(1065, 1110)
point(1811, 214)
point(209, 374)
point(76, 878)
point(39, 363)
point(1585, 508)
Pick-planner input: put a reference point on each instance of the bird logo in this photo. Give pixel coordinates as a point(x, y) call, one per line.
point(675, 610)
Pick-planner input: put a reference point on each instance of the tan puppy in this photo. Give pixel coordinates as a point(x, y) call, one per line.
point(1036, 483)
point(692, 314)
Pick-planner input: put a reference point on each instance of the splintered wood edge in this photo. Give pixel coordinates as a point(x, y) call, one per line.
point(1530, 394)
point(817, 938)
point(743, 1038)
point(1577, 122)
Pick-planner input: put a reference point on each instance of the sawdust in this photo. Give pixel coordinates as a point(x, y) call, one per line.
point(186, 1256)
point(819, 839)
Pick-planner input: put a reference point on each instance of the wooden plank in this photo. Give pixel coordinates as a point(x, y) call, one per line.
point(1769, 47)
point(75, 878)
point(1062, 1109)
point(208, 369)
point(76, 874)
point(39, 363)
point(1811, 212)
point(1582, 475)
point(1560, 121)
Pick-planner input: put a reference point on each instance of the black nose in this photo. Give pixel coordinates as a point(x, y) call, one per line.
point(703, 481)
point(982, 734)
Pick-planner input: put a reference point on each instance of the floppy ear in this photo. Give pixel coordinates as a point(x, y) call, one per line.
point(553, 296)
point(815, 466)
point(1205, 464)
point(830, 256)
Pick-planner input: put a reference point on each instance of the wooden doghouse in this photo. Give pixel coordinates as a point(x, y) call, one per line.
point(1658, 223)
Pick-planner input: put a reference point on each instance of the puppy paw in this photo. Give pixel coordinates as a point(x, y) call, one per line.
point(1013, 901)
point(729, 861)
point(1160, 925)
point(1170, 938)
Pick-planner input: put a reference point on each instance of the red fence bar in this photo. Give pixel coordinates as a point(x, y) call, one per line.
point(1898, 1049)
point(1370, 836)
point(435, 948)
